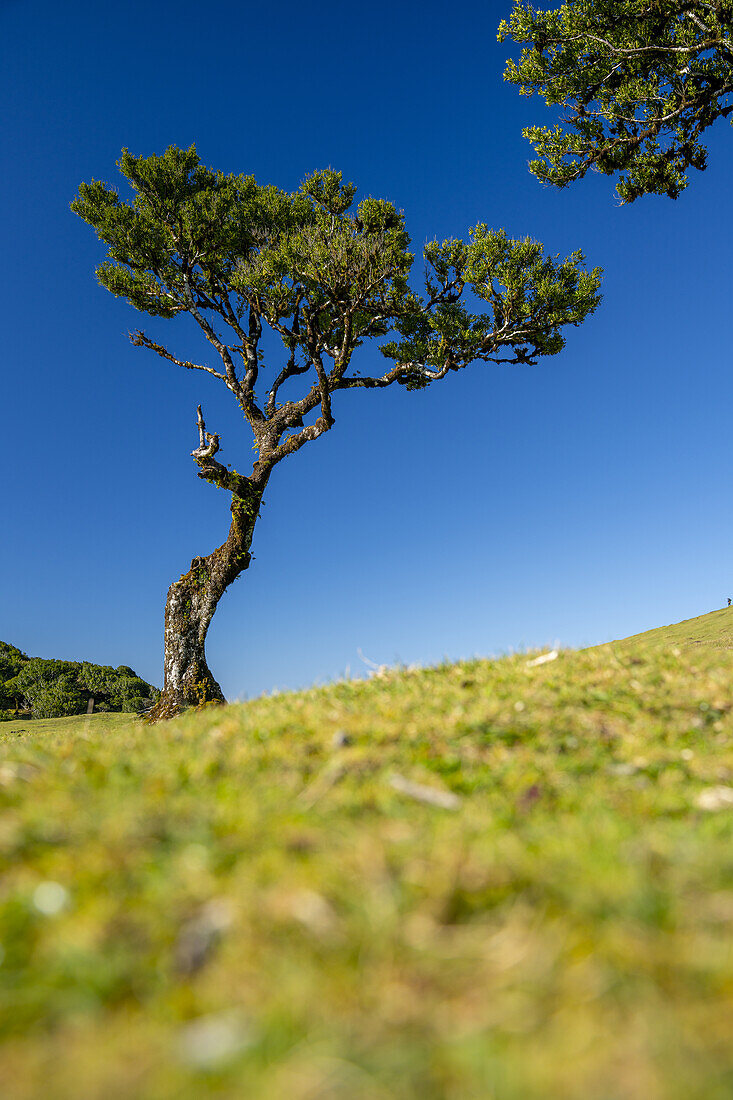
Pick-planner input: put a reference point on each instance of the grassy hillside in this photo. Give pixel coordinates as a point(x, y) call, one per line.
point(714, 629)
point(488, 881)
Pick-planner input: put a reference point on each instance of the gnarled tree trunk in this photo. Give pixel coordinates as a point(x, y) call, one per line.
point(191, 604)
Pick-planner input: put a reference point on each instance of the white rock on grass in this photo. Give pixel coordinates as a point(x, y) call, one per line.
point(715, 798)
point(444, 800)
point(50, 898)
point(210, 1042)
point(543, 658)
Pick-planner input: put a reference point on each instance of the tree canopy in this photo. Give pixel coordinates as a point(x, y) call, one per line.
point(640, 82)
point(325, 275)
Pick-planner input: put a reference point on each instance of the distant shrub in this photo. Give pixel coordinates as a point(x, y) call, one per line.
point(98, 680)
point(55, 699)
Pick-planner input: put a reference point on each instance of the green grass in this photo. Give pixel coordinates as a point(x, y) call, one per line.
point(75, 726)
point(241, 904)
point(714, 629)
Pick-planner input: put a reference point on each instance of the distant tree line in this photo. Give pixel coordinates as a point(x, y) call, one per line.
point(54, 689)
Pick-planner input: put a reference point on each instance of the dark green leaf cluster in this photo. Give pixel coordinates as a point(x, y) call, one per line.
point(193, 237)
point(331, 273)
point(185, 232)
point(530, 298)
point(53, 689)
point(640, 81)
point(12, 660)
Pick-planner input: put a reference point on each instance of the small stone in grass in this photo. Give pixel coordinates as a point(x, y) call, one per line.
point(715, 798)
point(199, 936)
point(444, 800)
point(622, 768)
point(313, 912)
point(49, 898)
point(543, 659)
point(210, 1042)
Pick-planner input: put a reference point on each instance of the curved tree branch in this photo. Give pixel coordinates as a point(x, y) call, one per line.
point(140, 340)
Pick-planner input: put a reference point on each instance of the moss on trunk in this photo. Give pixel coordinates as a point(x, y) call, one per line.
point(190, 607)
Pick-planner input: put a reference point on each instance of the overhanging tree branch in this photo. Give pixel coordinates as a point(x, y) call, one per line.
point(639, 82)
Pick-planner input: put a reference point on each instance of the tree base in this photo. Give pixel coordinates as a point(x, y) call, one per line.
point(171, 706)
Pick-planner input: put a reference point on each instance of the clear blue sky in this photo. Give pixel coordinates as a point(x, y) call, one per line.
point(580, 500)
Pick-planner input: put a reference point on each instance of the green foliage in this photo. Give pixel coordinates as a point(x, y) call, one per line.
point(11, 661)
point(326, 260)
point(639, 82)
point(325, 274)
point(185, 233)
point(55, 698)
point(254, 903)
point(531, 298)
point(53, 689)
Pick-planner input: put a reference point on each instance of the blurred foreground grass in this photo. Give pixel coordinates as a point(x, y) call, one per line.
point(282, 899)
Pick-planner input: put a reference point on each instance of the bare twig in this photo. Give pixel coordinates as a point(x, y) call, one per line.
point(208, 444)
